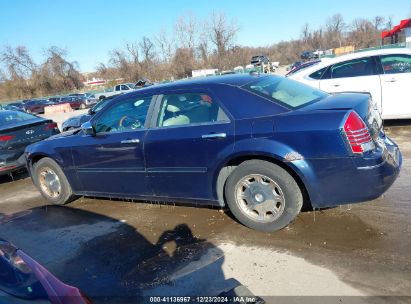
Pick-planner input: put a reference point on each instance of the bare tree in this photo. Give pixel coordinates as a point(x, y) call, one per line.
point(305, 32)
point(165, 45)
point(222, 33)
point(18, 61)
point(186, 29)
point(147, 48)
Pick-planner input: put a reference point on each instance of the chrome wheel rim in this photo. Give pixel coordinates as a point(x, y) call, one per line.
point(260, 198)
point(49, 182)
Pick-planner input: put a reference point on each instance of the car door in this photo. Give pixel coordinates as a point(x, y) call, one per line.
point(356, 75)
point(189, 134)
point(112, 161)
point(396, 89)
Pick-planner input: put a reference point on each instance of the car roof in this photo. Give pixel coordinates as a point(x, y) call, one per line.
point(237, 80)
point(329, 61)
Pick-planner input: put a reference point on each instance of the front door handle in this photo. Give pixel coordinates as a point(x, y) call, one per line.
point(336, 84)
point(214, 136)
point(130, 141)
point(391, 80)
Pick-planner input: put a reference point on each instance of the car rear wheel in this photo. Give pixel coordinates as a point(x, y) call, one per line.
point(51, 181)
point(263, 196)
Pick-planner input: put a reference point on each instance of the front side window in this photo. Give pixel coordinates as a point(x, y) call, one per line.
point(285, 91)
point(125, 115)
point(394, 64)
point(189, 108)
point(354, 68)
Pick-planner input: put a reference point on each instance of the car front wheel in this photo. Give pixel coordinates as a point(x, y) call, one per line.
point(51, 181)
point(263, 196)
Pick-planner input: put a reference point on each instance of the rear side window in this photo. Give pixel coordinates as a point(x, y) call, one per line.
point(318, 74)
point(354, 68)
point(394, 64)
point(189, 108)
point(285, 91)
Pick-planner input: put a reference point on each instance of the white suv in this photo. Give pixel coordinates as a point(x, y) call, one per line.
point(385, 74)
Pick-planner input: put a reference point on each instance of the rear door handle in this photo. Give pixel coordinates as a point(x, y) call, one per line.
point(130, 141)
point(336, 84)
point(214, 136)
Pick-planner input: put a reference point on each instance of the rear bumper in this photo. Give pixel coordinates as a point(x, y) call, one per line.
point(333, 182)
point(7, 166)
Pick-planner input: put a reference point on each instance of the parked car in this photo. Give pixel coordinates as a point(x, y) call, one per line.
point(300, 66)
point(15, 106)
point(116, 90)
point(385, 74)
point(74, 101)
point(75, 122)
point(308, 55)
point(259, 60)
point(18, 130)
point(36, 106)
point(256, 143)
point(89, 99)
point(24, 280)
point(55, 99)
point(142, 83)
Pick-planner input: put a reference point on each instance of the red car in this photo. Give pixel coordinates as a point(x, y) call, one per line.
point(75, 102)
point(36, 106)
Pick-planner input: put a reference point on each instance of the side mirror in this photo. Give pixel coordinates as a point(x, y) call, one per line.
point(88, 128)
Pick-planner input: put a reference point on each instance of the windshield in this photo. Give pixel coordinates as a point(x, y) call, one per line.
point(285, 91)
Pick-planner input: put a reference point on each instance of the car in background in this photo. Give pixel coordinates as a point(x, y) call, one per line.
point(74, 101)
point(36, 106)
point(18, 130)
point(142, 83)
point(259, 60)
point(15, 106)
point(191, 141)
point(75, 122)
point(24, 280)
point(385, 74)
point(55, 99)
point(301, 65)
point(89, 98)
point(308, 55)
point(116, 90)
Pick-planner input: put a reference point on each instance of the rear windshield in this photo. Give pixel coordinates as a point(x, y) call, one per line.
point(10, 117)
point(284, 91)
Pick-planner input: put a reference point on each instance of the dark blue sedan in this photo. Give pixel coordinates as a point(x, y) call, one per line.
point(261, 145)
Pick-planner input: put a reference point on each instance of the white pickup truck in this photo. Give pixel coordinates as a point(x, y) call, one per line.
point(118, 89)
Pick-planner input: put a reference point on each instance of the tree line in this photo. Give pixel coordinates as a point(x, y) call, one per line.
point(192, 43)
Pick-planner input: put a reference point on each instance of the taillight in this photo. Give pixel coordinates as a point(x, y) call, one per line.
point(6, 137)
point(50, 126)
point(357, 134)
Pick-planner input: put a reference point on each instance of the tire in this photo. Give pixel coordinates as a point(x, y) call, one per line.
point(65, 194)
point(101, 97)
point(263, 196)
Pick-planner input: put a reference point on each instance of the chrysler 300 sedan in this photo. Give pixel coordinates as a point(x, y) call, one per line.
point(261, 145)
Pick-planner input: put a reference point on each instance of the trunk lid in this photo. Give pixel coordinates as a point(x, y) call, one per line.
point(21, 134)
point(360, 103)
